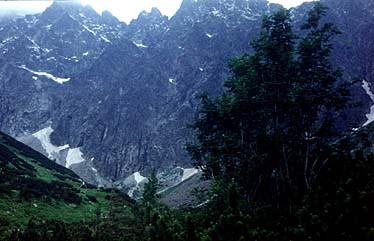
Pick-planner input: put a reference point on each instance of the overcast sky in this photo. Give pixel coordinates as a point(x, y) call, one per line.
point(125, 10)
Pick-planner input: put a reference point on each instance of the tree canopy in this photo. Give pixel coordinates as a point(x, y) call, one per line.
point(272, 128)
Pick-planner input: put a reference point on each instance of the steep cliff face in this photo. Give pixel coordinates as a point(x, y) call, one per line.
point(108, 99)
point(353, 53)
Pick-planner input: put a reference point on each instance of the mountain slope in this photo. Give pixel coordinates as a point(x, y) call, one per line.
point(32, 186)
point(108, 99)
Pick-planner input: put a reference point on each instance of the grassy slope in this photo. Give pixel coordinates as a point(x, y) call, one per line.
point(33, 186)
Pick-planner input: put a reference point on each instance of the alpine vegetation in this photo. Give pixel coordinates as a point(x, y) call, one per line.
point(233, 120)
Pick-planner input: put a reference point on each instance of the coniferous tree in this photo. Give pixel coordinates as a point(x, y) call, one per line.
point(150, 190)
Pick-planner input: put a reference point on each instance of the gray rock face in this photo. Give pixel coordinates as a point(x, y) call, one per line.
point(120, 96)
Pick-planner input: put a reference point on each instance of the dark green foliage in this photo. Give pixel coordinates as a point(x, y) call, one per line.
point(190, 232)
point(36, 156)
point(273, 133)
point(241, 133)
point(91, 198)
point(36, 193)
point(340, 206)
point(35, 188)
point(118, 225)
point(17, 174)
point(150, 190)
point(271, 130)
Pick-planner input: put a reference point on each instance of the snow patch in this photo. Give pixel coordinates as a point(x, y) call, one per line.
point(215, 12)
point(140, 45)
point(9, 39)
point(139, 178)
point(249, 17)
point(74, 157)
point(105, 39)
point(89, 30)
point(35, 46)
point(366, 86)
point(203, 203)
point(45, 74)
point(44, 137)
point(188, 173)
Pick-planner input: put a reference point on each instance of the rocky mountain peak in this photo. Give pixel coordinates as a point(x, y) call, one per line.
point(155, 12)
point(73, 9)
point(153, 16)
point(108, 18)
point(147, 28)
point(55, 10)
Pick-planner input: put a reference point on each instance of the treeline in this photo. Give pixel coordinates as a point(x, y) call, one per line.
point(280, 168)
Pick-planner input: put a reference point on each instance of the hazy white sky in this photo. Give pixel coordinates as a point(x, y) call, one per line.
point(125, 10)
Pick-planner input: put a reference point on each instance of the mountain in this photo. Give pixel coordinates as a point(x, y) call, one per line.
point(112, 101)
point(353, 53)
point(31, 185)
